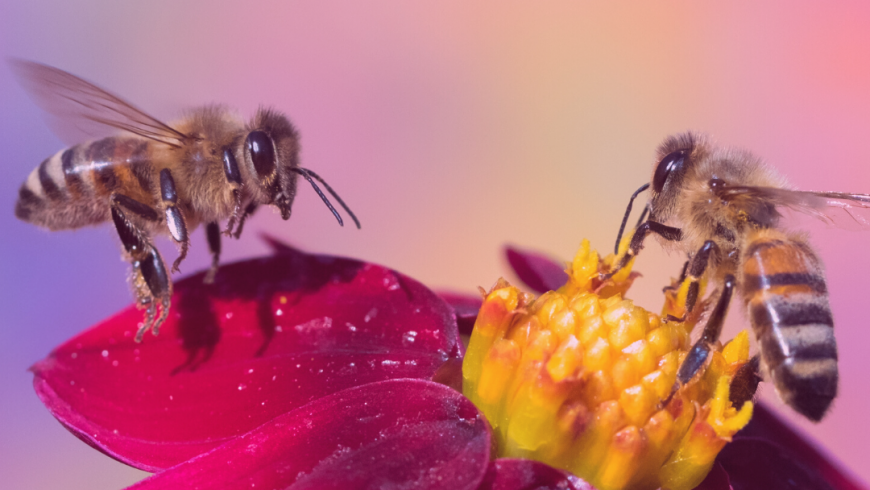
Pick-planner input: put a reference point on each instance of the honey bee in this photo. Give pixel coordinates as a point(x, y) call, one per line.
point(721, 207)
point(157, 178)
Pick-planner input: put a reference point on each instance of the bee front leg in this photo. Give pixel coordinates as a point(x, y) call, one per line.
point(213, 236)
point(248, 211)
point(636, 244)
point(699, 354)
point(174, 219)
point(151, 283)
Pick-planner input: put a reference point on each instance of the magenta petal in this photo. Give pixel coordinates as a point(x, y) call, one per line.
point(757, 464)
point(766, 425)
point(465, 306)
point(717, 479)
point(539, 272)
point(522, 474)
point(392, 434)
point(269, 336)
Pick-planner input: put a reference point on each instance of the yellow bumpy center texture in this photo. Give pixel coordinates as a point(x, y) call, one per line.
point(577, 378)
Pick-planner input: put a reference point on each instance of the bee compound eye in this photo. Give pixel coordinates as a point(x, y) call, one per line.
point(262, 151)
point(672, 163)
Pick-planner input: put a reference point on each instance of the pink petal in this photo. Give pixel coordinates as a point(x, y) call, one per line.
point(392, 434)
point(538, 271)
point(269, 336)
point(802, 453)
point(466, 307)
point(522, 474)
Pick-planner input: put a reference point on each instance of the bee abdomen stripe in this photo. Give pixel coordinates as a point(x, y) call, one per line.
point(781, 313)
point(71, 176)
point(752, 282)
point(758, 246)
point(49, 186)
point(27, 203)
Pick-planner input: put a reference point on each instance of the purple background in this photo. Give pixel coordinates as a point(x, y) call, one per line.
point(450, 128)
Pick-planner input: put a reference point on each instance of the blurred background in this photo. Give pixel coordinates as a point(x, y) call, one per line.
point(451, 128)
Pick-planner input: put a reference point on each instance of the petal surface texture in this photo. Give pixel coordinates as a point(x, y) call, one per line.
point(269, 336)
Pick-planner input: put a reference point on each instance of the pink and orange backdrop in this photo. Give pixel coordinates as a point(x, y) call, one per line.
point(451, 128)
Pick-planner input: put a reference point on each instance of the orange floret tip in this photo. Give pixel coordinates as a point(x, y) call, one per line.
point(577, 378)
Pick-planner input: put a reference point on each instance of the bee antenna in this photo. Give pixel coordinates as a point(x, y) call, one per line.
point(308, 174)
point(627, 213)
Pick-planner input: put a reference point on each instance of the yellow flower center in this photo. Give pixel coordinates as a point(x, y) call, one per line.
point(578, 378)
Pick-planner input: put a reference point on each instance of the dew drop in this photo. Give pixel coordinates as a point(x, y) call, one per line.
point(279, 312)
point(274, 378)
point(371, 314)
point(229, 315)
point(242, 386)
point(408, 338)
point(115, 363)
point(278, 328)
point(105, 353)
point(74, 355)
point(386, 362)
point(251, 371)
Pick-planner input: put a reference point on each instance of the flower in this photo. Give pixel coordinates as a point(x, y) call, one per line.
point(300, 371)
point(291, 371)
point(579, 378)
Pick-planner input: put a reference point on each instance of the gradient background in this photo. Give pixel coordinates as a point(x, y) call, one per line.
point(451, 129)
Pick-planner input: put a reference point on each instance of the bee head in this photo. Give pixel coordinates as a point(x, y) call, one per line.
point(271, 154)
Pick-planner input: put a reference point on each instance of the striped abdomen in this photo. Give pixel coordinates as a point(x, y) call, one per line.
point(72, 188)
point(787, 300)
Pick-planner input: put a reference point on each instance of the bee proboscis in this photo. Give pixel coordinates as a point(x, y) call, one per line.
point(721, 208)
point(158, 178)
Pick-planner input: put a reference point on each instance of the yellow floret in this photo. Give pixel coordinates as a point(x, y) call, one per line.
point(578, 377)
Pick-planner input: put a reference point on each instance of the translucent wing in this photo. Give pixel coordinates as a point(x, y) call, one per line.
point(81, 103)
point(821, 205)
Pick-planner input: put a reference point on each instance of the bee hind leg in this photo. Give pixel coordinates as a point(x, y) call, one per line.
point(151, 282)
point(745, 382)
point(699, 355)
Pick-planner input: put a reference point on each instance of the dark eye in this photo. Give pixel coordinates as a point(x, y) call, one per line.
point(262, 152)
point(673, 162)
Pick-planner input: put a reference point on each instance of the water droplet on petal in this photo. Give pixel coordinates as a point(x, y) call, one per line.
point(242, 386)
point(105, 353)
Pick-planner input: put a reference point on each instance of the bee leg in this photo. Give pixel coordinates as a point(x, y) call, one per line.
point(174, 219)
point(699, 354)
point(248, 211)
point(636, 244)
point(745, 382)
point(682, 278)
point(699, 265)
point(237, 213)
point(213, 235)
point(150, 280)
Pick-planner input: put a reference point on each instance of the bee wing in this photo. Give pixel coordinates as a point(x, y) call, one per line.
point(80, 103)
point(821, 205)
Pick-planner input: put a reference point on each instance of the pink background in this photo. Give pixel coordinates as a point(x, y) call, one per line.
point(451, 128)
